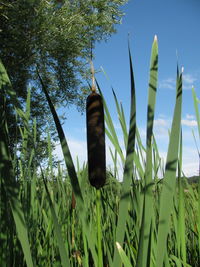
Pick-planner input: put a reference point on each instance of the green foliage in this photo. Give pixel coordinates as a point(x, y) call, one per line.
point(145, 230)
point(55, 37)
point(10, 202)
point(41, 223)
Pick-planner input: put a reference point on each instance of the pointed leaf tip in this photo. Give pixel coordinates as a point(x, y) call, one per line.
point(118, 246)
point(155, 38)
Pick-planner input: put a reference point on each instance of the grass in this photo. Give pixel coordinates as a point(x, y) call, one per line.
point(55, 218)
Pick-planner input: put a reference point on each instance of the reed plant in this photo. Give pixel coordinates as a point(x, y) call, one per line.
point(56, 218)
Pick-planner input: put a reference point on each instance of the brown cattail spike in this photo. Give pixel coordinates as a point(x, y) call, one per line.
point(96, 140)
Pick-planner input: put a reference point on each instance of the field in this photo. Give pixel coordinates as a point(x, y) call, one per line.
point(54, 217)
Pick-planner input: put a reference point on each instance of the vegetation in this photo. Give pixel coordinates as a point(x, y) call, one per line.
point(56, 38)
point(193, 180)
point(53, 218)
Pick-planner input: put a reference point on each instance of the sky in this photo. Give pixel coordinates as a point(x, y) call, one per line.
point(176, 24)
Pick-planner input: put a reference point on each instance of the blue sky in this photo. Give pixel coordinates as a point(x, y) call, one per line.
point(176, 24)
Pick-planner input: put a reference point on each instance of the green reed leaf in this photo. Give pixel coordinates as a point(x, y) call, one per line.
point(195, 100)
point(65, 148)
point(125, 260)
point(196, 107)
point(145, 237)
point(62, 249)
point(121, 118)
point(7, 176)
point(169, 181)
point(72, 174)
point(128, 171)
point(110, 129)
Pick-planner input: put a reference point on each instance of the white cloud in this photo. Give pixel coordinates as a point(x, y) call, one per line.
point(190, 161)
point(162, 116)
point(77, 148)
point(190, 169)
point(190, 155)
point(190, 164)
point(169, 83)
point(142, 132)
point(190, 123)
point(117, 125)
point(189, 116)
point(188, 81)
point(161, 128)
point(161, 122)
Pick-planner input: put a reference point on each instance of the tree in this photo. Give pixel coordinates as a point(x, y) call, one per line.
point(54, 37)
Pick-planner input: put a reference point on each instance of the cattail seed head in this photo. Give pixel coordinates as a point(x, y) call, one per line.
point(96, 140)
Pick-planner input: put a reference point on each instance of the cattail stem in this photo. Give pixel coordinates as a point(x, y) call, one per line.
point(73, 228)
point(73, 219)
point(93, 88)
point(99, 233)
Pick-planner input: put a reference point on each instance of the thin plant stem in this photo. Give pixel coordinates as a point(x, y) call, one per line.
point(99, 234)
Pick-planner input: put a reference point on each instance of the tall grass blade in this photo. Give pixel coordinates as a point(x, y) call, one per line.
point(65, 148)
point(128, 171)
point(122, 120)
point(169, 181)
point(63, 251)
point(123, 256)
point(181, 208)
point(195, 100)
point(110, 129)
point(144, 241)
point(72, 174)
point(8, 182)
